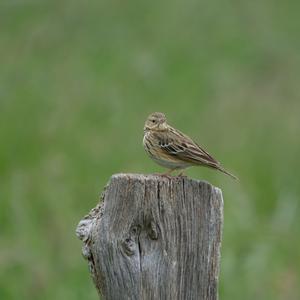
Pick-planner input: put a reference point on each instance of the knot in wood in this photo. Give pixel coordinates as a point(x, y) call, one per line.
point(130, 244)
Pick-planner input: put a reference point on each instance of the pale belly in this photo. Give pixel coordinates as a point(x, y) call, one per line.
point(171, 164)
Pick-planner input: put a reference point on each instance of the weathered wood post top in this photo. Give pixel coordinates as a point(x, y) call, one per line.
point(154, 237)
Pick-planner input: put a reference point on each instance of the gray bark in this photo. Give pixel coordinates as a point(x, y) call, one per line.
point(153, 237)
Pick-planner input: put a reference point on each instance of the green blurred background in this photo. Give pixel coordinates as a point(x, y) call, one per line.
point(78, 79)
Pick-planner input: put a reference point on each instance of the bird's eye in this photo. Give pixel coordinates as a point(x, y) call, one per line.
point(153, 121)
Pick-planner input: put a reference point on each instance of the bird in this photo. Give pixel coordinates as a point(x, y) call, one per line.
point(173, 149)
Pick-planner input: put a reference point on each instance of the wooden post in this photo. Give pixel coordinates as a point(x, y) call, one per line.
point(154, 237)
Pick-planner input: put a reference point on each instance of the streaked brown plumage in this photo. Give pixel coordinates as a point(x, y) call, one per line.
point(173, 149)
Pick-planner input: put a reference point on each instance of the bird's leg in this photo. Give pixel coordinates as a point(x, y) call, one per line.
point(181, 174)
point(168, 173)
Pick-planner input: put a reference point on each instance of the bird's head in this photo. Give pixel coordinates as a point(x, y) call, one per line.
point(156, 121)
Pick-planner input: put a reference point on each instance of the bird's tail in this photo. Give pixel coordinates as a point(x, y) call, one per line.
point(227, 173)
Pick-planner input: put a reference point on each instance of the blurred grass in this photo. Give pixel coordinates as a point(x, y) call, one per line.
point(78, 79)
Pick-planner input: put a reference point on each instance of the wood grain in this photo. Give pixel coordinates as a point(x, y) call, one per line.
point(153, 237)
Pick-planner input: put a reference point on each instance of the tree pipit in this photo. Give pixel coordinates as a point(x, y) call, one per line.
point(173, 149)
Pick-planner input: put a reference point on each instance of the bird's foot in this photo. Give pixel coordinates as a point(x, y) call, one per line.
point(181, 174)
point(169, 176)
point(166, 175)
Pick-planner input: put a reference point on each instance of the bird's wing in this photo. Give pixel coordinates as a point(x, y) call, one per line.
point(180, 146)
